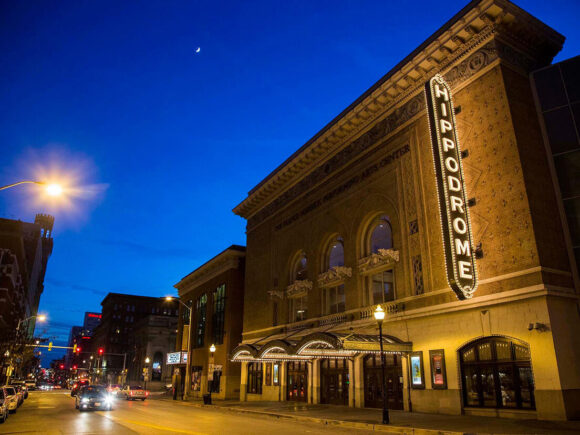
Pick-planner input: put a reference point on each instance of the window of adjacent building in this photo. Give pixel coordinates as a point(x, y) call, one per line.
point(219, 311)
point(200, 316)
point(254, 378)
point(496, 373)
point(333, 298)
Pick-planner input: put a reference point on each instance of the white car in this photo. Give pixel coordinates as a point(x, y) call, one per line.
point(11, 397)
point(134, 392)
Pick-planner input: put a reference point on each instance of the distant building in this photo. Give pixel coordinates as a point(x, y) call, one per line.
point(116, 333)
point(24, 251)
point(74, 338)
point(155, 337)
point(92, 320)
point(215, 291)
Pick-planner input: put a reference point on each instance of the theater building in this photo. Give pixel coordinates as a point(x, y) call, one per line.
point(431, 196)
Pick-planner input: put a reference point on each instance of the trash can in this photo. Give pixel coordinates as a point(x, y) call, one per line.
point(207, 399)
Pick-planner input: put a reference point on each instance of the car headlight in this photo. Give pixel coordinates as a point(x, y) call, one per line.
point(85, 400)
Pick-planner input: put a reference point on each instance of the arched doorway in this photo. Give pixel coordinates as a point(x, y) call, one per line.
point(496, 372)
point(157, 367)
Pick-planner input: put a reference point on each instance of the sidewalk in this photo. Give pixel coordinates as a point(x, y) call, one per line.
point(401, 422)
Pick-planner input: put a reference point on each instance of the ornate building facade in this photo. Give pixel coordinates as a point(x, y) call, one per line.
point(430, 196)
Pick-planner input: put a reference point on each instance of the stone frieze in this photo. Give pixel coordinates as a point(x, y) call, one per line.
point(383, 257)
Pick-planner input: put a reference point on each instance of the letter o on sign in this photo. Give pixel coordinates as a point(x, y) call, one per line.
point(459, 225)
point(451, 164)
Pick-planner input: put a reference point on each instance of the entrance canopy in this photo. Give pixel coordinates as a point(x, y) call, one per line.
point(319, 345)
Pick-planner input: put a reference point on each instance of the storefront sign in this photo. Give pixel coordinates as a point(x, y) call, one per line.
point(174, 358)
point(453, 207)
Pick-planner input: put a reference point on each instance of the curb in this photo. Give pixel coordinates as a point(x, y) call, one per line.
point(326, 421)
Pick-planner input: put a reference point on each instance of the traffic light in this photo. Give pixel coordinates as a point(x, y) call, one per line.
point(50, 346)
point(74, 367)
point(78, 349)
point(62, 366)
point(74, 348)
point(101, 351)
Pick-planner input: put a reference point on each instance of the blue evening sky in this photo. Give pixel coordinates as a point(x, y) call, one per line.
point(162, 142)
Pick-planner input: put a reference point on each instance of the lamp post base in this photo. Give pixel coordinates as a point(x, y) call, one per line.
point(386, 416)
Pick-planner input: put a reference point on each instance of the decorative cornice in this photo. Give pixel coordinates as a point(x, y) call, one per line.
point(226, 260)
point(468, 29)
point(334, 276)
point(378, 261)
point(298, 289)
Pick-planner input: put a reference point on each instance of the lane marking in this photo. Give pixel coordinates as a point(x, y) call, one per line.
point(149, 425)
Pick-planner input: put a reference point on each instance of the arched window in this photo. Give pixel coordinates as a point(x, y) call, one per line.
point(381, 236)
point(381, 285)
point(496, 372)
point(333, 298)
point(300, 268)
point(335, 253)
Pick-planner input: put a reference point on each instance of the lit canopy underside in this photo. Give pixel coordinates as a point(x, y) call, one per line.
point(319, 345)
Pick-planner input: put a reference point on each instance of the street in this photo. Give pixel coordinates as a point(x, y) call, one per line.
point(54, 412)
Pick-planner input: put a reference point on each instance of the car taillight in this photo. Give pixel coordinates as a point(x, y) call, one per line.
point(146, 393)
point(131, 393)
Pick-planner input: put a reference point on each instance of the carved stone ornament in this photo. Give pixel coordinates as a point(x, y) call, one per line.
point(276, 294)
point(334, 276)
point(382, 258)
point(298, 289)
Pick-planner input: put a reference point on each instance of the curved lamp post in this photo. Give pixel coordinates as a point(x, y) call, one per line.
point(188, 364)
point(51, 188)
point(379, 317)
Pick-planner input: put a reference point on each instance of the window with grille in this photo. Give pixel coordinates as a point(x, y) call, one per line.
point(219, 311)
point(200, 315)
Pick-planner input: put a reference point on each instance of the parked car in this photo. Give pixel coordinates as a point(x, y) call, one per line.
point(93, 397)
point(30, 384)
point(12, 398)
point(77, 386)
point(19, 393)
point(3, 406)
point(22, 386)
point(134, 392)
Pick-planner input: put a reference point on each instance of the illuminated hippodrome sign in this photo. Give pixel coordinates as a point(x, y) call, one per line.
point(453, 207)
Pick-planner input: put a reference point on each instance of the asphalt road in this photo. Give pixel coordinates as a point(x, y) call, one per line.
point(54, 413)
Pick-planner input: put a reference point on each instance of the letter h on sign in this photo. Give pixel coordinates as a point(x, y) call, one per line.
point(455, 223)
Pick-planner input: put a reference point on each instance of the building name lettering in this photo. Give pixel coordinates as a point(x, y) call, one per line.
point(453, 208)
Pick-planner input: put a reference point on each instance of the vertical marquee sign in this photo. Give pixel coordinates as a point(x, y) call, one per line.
point(453, 206)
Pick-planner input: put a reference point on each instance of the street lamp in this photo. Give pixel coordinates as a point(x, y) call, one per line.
point(51, 188)
point(188, 350)
point(147, 360)
point(379, 317)
point(211, 351)
point(40, 317)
